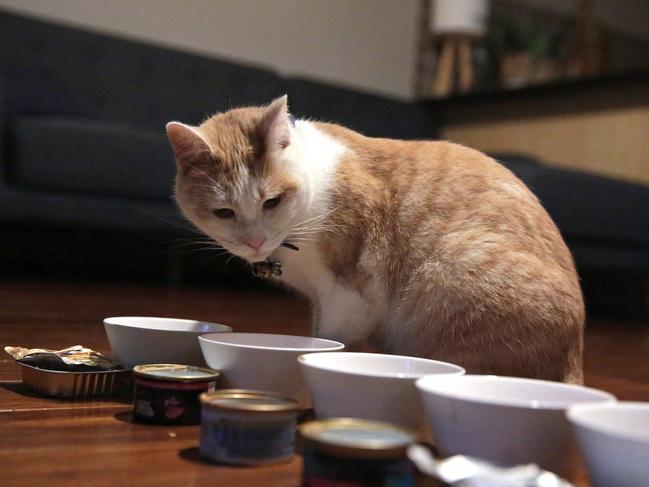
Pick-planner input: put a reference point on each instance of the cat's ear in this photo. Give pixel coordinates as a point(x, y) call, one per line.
point(274, 126)
point(189, 146)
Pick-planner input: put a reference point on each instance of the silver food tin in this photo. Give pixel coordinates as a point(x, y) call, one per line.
point(57, 383)
point(246, 427)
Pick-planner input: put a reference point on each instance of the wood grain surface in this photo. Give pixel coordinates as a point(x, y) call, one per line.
point(55, 442)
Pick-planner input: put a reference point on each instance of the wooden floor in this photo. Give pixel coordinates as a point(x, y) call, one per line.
point(50, 313)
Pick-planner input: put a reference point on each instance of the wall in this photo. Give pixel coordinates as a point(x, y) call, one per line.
point(368, 44)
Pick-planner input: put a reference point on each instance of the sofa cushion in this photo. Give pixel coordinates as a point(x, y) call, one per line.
point(53, 69)
point(371, 115)
point(91, 157)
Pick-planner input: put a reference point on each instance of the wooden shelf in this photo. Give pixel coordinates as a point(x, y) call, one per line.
point(604, 92)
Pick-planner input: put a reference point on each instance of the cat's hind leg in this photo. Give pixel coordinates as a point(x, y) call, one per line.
point(519, 318)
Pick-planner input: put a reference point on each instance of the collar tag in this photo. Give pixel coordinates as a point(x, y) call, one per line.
point(267, 269)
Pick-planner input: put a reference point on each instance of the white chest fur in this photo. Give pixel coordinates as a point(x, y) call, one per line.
point(340, 312)
point(304, 270)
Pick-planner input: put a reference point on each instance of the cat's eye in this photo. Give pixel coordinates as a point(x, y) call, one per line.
point(224, 213)
point(272, 202)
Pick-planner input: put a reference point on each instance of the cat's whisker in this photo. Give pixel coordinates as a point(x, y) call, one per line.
point(185, 247)
point(314, 231)
point(307, 232)
point(232, 256)
point(198, 243)
point(197, 239)
point(188, 247)
point(182, 241)
point(315, 224)
point(193, 240)
point(307, 225)
point(295, 240)
point(312, 225)
point(171, 223)
point(316, 217)
point(210, 245)
point(303, 236)
point(214, 252)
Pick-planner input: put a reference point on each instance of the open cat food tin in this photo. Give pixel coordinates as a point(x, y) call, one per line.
point(57, 383)
point(75, 371)
point(169, 393)
point(356, 452)
point(247, 427)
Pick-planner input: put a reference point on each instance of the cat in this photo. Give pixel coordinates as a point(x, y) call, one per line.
point(422, 248)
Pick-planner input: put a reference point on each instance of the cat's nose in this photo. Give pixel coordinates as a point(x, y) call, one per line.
point(254, 243)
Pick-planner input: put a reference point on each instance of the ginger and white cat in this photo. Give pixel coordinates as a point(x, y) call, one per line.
point(422, 248)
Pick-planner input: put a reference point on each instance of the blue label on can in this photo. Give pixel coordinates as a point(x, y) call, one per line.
point(241, 441)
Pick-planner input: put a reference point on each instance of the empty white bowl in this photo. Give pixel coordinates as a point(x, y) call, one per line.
point(614, 441)
point(138, 340)
point(369, 385)
point(505, 420)
point(263, 361)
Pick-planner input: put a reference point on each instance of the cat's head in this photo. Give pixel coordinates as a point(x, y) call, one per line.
point(237, 179)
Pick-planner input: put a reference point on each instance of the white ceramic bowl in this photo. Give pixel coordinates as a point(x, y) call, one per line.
point(263, 361)
point(369, 385)
point(506, 420)
point(614, 441)
point(147, 340)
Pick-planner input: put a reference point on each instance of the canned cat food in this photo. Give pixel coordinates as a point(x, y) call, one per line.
point(169, 393)
point(247, 427)
point(356, 453)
